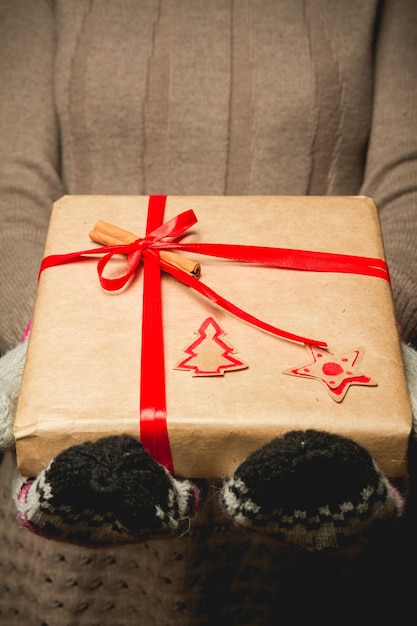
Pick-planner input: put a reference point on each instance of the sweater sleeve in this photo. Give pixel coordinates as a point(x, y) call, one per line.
point(29, 156)
point(391, 168)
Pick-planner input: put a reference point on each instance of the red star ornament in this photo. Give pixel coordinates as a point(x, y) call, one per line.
point(337, 372)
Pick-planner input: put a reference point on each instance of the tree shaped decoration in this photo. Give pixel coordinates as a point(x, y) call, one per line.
point(209, 355)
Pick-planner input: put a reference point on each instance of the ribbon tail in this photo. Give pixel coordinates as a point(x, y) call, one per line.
point(216, 298)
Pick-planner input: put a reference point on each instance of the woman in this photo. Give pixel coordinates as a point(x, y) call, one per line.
point(280, 98)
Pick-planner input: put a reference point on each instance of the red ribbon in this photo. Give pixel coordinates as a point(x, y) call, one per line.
point(153, 412)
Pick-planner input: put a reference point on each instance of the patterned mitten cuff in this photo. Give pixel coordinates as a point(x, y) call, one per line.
point(107, 492)
point(313, 489)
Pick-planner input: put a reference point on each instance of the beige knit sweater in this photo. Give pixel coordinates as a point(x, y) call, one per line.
point(192, 97)
point(220, 97)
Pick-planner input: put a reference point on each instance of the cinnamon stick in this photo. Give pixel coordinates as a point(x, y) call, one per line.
point(111, 235)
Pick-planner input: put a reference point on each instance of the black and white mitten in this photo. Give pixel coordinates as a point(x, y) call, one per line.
point(107, 492)
point(312, 489)
point(317, 490)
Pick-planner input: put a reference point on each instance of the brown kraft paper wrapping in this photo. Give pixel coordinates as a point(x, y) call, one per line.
point(82, 373)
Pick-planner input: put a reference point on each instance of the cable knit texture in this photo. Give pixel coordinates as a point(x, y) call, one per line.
point(291, 97)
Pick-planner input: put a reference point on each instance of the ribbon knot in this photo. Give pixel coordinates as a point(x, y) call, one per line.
point(134, 251)
point(143, 246)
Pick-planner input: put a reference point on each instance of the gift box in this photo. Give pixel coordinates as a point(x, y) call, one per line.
point(290, 326)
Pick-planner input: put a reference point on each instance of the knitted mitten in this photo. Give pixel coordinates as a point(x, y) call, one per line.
point(317, 490)
point(107, 492)
point(410, 368)
point(313, 489)
point(11, 370)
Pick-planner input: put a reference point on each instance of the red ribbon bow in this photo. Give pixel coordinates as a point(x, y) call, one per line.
point(153, 413)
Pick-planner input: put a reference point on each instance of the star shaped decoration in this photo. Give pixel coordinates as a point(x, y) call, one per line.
point(337, 372)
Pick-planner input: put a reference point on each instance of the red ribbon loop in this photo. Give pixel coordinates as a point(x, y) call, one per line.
point(173, 228)
point(133, 256)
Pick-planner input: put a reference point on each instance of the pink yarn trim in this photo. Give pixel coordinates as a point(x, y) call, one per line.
point(26, 332)
point(22, 499)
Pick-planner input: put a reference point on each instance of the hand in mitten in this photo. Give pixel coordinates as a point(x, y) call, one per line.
point(11, 370)
point(107, 492)
point(316, 490)
point(313, 489)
